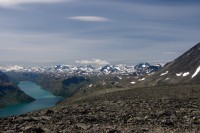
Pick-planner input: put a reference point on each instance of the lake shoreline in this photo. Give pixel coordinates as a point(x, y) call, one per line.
point(44, 99)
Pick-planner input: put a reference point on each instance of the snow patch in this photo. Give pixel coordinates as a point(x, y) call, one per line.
point(151, 73)
point(132, 82)
point(90, 85)
point(164, 73)
point(167, 79)
point(179, 74)
point(144, 65)
point(186, 74)
point(141, 79)
point(119, 77)
point(196, 72)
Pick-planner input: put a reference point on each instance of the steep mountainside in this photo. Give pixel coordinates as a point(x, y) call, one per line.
point(11, 94)
point(3, 77)
point(184, 69)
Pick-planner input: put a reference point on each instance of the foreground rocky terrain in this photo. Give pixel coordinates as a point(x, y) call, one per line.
point(124, 110)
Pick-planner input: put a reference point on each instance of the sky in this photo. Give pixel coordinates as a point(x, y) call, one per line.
point(49, 32)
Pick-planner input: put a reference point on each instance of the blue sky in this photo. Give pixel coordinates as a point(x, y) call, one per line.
point(48, 32)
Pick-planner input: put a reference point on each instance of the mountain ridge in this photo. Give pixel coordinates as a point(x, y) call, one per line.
point(184, 69)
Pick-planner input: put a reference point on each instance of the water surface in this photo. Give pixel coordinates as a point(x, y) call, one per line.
point(44, 99)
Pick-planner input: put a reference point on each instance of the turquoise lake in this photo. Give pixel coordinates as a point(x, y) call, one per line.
point(44, 99)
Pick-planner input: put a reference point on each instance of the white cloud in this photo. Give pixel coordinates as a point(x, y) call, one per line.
point(93, 61)
point(89, 18)
point(13, 3)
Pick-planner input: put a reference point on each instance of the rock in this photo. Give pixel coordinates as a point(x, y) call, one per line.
point(145, 129)
point(49, 111)
point(196, 121)
point(30, 119)
point(167, 121)
point(173, 118)
point(45, 118)
point(195, 113)
point(113, 131)
point(83, 126)
point(34, 130)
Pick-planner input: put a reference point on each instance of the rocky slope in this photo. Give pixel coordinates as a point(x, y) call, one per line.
point(151, 109)
point(11, 94)
point(184, 69)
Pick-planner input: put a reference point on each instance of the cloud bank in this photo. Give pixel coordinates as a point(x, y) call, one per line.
point(89, 18)
point(13, 3)
point(93, 61)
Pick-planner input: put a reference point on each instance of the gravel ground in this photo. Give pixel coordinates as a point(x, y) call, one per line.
point(150, 109)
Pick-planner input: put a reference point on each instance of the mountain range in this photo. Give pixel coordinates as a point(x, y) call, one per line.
point(55, 78)
point(69, 70)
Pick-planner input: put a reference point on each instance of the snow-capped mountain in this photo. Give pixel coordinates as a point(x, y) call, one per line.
point(117, 69)
point(146, 68)
point(122, 69)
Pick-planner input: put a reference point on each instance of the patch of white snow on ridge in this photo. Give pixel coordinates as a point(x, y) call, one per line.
point(164, 73)
point(196, 72)
point(143, 65)
point(90, 85)
point(151, 73)
point(167, 79)
point(132, 82)
point(119, 77)
point(179, 74)
point(141, 79)
point(186, 74)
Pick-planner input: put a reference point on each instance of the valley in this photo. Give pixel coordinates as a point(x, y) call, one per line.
point(43, 99)
point(143, 98)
